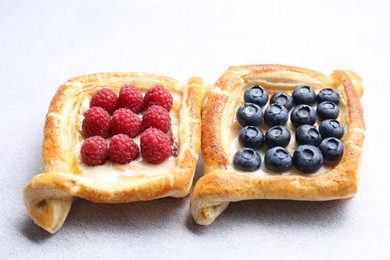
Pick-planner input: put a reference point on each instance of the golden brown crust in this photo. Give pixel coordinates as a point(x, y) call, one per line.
point(48, 196)
point(221, 184)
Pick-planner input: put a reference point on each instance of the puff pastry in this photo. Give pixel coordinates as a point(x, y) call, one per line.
point(222, 183)
point(48, 196)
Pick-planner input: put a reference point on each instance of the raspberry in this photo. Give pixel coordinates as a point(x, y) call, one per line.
point(158, 96)
point(94, 151)
point(106, 99)
point(157, 117)
point(155, 146)
point(124, 121)
point(130, 97)
point(122, 149)
point(96, 122)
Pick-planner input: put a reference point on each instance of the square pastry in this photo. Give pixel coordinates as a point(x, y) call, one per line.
point(110, 155)
point(279, 132)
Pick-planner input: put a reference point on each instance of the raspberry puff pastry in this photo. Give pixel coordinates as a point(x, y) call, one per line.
point(48, 196)
point(223, 183)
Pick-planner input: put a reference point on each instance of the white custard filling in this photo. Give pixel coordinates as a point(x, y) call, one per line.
point(112, 172)
point(230, 138)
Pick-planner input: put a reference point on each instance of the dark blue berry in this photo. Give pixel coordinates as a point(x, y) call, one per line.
point(277, 136)
point(328, 94)
point(275, 114)
point(249, 114)
point(327, 110)
point(303, 115)
point(308, 134)
point(283, 99)
point(307, 158)
point(332, 149)
point(331, 128)
point(278, 159)
point(257, 95)
point(252, 137)
point(247, 159)
point(304, 95)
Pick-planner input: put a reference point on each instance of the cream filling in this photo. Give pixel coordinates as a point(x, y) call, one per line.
point(230, 137)
point(112, 172)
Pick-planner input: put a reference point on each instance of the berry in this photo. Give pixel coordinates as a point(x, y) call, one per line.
point(257, 95)
point(303, 115)
point(283, 99)
point(252, 137)
point(124, 121)
point(331, 128)
point(304, 95)
point(122, 149)
point(277, 136)
point(307, 134)
point(249, 114)
point(332, 149)
point(155, 146)
point(158, 96)
point(247, 159)
point(275, 114)
point(157, 117)
point(278, 159)
point(307, 158)
point(106, 99)
point(328, 94)
point(327, 110)
point(96, 122)
point(130, 97)
point(94, 151)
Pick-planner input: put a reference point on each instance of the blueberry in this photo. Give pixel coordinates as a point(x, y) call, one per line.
point(277, 136)
point(327, 110)
point(252, 137)
point(247, 159)
point(328, 94)
point(332, 149)
point(249, 114)
point(283, 99)
point(331, 128)
point(275, 114)
point(307, 134)
point(278, 159)
point(257, 95)
point(303, 115)
point(304, 95)
point(307, 158)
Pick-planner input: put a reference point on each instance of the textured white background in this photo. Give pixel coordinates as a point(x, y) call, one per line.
point(44, 43)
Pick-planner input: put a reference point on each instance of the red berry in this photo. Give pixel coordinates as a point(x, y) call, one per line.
point(158, 96)
point(157, 117)
point(106, 99)
point(131, 97)
point(94, 151)
point(96, 122)
point(122, 149)
point(124, 121)
point(155, 146)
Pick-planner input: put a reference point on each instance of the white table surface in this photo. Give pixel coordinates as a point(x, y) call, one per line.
point(44, 43)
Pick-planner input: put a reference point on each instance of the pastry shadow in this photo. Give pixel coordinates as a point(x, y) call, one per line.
point(280, 213)
point(141, 215)
point(33, 232)
point(86, 216)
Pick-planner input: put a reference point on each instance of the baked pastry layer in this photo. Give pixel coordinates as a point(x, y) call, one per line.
point(48, 196)
point(222, 183)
